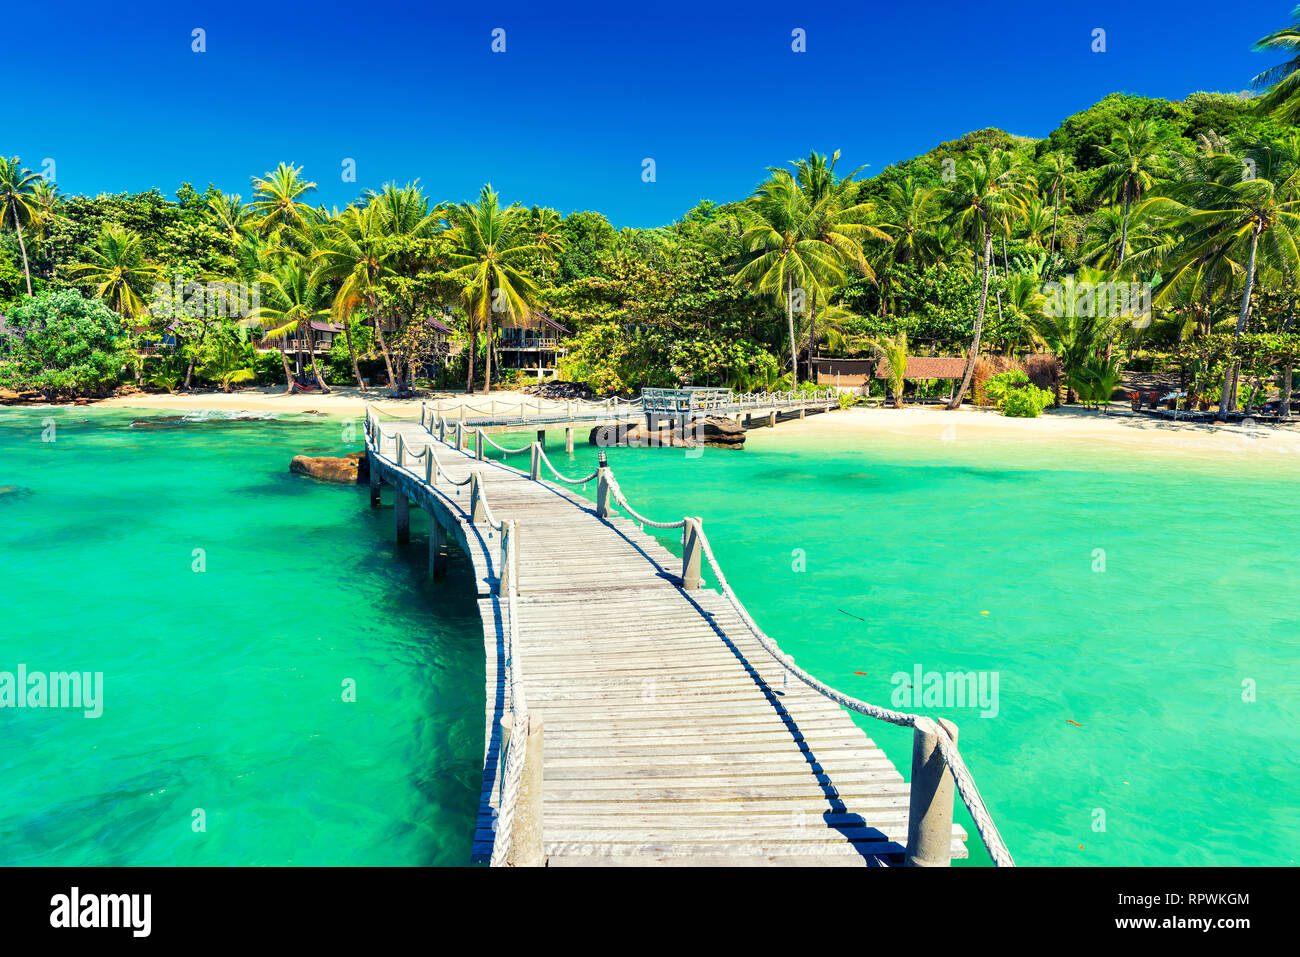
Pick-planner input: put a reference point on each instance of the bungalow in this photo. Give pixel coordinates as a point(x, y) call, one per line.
point(855, 375)
point(537, 348)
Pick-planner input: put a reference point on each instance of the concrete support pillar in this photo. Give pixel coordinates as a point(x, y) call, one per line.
point(568, 439)
point(374, 480)
point(803, 412)
point(541, 436)
point(402, 516)
point(526, 836)
point(771, 419)
point(929, 816)
point(749, 420)
point(437, 547)
point(691, 552)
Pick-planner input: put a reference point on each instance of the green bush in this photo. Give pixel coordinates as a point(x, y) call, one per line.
point(1026, 402)
point(62, 344)
point(1000, 385)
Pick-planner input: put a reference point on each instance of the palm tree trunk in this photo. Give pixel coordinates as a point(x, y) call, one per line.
point(1056, 210)
point(27, 272)
point(956, 401)
point(789, 318)
point(383, 347)
point(1284, 403)
point(311, 344)
point(1230, 376)
point(356, 369)
point(471, 346)
point(1123, 233)
point(487, 357)
point(290, 387)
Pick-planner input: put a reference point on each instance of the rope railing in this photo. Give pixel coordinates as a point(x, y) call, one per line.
point(962, 777)
point(516, 746)
point(556, 472)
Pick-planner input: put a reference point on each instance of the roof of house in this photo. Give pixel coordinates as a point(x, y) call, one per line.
point(321, 326)
point(928, 367)
point(834, 366)
point(437, 325)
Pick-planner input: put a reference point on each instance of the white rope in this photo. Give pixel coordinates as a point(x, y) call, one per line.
point(502, 448)
point(555, 471)
point(621, 499)
point(512, 771)
point(970, 794)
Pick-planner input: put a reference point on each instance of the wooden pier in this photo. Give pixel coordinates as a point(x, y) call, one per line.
point(647, 719)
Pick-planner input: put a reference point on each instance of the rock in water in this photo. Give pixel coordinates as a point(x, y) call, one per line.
point(714, 432)
point(347, 470)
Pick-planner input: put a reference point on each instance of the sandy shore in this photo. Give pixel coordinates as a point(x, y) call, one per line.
point(1068, 426)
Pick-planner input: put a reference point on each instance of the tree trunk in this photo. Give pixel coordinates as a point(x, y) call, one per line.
point(1056, 210)
point(471, 346)
point(812, 336)
point(955, 403)
point(1123, 235)
point(1284, 406)
point(290, 387)
point(789, 318)
point(27, 272)
point(356, 369)
point(311, 344)
point(1230, 376)
point(487, 357)
point(383, 347)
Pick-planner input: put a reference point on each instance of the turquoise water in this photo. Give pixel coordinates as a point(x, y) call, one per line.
point(222, 688)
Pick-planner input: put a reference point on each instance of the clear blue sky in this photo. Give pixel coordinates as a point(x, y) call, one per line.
point(711, 91)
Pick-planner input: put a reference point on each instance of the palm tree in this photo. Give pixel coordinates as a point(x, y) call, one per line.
point(1055, 177)
point(1282, 81)
point(1132, 164)
point(117, 268)
point(490, 248)
point(1246, 220)
point(229, 214)
point(894, 351)
point(353, 252)
point(989, 191)
point(291, 299)
point(278, 206)
point(908, 214)
point(17, 194)
point(782, 241)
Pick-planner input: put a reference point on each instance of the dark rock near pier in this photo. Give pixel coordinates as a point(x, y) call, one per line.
point(345, 470)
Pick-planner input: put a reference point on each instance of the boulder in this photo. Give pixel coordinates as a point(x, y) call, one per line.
point(714, 432)
point(345, 470)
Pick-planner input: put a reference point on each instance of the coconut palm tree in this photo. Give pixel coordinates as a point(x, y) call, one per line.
point(1132, 164)
point(291, 298)
point(229, 214)
point(783, 243)
point(1056, 178)
point(490, 247)
point(17, 196)
point(989, 192)
point(1253, 221)
point(893, 350)
point(353, 252)
point(278, 205)
point(1282, 82)
point(117, 269)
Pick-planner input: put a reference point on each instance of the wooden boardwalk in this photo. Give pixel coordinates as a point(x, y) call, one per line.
point(671, 736)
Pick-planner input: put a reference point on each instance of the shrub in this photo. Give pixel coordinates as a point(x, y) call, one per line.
point(1026, 402)
point(62, 343)
point(997, 386)
point(985, 368)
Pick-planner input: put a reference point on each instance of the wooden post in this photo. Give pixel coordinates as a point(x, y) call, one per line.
point(602, 488)
point(430, 473)
point(802, 412)
point(526, 848)
point(771, 419)
point(442, 429)
point(476, 511)
point(437, 546)
point(568, 439)
point(402, 516)
point(503, 567)
point(460, 436)
point(478, 443)
point(541, 436)
point(374, 480)
point(535, 461)
point(929, 815)
point(691, 552)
